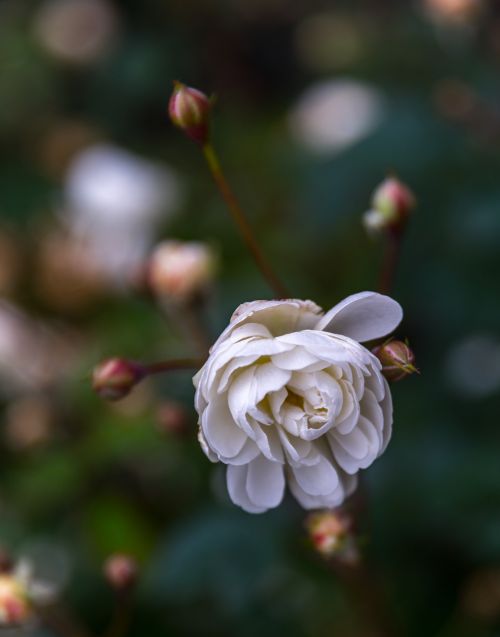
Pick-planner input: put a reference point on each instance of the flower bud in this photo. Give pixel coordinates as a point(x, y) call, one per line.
point(189, 109)
point(328, 531)
point(114, 378)
point(397, 360)
point(121, 571)
point(15, 607)
point(180, 271)
point(392, 203)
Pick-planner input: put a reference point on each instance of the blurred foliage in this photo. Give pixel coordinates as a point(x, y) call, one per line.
point(107, 478)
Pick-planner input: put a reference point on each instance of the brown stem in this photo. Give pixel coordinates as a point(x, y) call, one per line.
point(61, 622)
point(391, 260)
point(367, 594)
point(242, 222)
point(172, 365)
point(122, 616)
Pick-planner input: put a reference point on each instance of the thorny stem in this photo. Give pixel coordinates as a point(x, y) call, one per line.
point(242, 222)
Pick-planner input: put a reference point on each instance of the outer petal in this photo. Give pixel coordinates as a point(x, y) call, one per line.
point(265, 482)
point(362, 317)
point(280, 317)
point(236, 478)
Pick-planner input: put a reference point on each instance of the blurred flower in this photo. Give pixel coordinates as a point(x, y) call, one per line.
point(329, 40)
point(172, 418)
point(335, 114)
point(473, 365)
point(19, 590)
point(76, 31)
point(29, 422)
point(181, 270)
point(289, 392)
point(453, 12)
point(113, 202)
point(121, 571)
point(189, 110)
point(66, 276)
point(397, 360)
point(481, 594)
point(392, 202)
point(32, 356)
point(15, 608)
point(328, 530)
point(115, 378)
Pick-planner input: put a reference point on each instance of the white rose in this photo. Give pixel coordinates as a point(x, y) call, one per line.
point(289, 394)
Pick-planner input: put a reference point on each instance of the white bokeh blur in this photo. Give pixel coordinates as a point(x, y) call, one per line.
point(113, 203)
point(332, 115)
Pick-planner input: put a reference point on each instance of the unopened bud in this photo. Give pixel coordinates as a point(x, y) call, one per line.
point(328, 531)
point(181, 270)
point(392, 203)
point(114, 378)
point(397, 360)
point(189, 109)
point(15, 607)
point(121, 571)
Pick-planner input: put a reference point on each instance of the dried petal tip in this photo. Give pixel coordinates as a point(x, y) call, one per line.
point(189, 109)
point(392, 203)
point(121, 571)
point(114, 378)
point(398, 360)
point(329, 531)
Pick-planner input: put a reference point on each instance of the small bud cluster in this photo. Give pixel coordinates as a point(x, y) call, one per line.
point(392, 203)
point(15, 607)
point(398, 360)
point(330, 532)
point(189, 110)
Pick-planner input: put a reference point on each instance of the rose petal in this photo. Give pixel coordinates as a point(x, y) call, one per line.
point(265, 483)
point(362, 317)
point(221, 432)
point(318, 479)
point(236, 479)
point(279, 317)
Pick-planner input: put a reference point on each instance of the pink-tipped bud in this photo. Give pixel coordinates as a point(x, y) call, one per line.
point(398, 360)
point(328, 531)
point(181, 271)
point(121, 571)
point(189, 109)
point(392, 203)
point(393, 199)
point(15, 607)
point(114, 378)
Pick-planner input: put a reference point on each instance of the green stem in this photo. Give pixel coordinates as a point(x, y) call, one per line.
point(242, 222)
